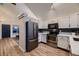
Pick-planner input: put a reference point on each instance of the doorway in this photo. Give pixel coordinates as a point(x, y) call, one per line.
point(5, 31)
point(15, 31)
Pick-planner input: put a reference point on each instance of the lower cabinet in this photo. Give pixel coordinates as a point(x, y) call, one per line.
point(63, 42)
point(42, 37)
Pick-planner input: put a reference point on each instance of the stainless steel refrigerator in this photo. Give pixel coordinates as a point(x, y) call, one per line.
point(31, 35)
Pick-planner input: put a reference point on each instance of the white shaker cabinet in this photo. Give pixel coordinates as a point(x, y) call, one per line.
point(42, 37)
point(77, 20)
point(63, 42)
point(60, 22)
point(74, 45)
point(63, 22)
point(73, 21)
point(66, 22)
point(39, 37)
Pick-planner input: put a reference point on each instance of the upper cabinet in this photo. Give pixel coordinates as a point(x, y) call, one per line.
point(63, 22)
point(71, 21)
point(77, 20)
point(60, 22)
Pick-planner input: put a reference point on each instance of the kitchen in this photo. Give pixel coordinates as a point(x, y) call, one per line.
point(68, 33)
point(56, 30)
point(44, 29)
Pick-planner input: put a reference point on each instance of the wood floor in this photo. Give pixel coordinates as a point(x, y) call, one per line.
point(9, 47)
point(45, 50)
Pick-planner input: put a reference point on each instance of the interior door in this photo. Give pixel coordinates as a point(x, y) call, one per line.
point(5, 31)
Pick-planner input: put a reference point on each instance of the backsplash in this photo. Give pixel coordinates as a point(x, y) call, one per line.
point(66, 30)
point(69, 29)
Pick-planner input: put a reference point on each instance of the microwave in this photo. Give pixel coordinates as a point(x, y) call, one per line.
point(53, 26)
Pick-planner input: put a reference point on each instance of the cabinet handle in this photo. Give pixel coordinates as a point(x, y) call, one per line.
point(69, 25)
point(77, 25)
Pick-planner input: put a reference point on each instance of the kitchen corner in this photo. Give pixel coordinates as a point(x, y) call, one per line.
point(42, 36)
point(67, 42)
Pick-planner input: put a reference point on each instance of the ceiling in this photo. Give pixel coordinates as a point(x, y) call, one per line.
point(42, 9)
point(10, 8)
point(39, 9)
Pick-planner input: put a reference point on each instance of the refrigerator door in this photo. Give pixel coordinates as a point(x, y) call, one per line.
point(35, 30)
point(30, 30)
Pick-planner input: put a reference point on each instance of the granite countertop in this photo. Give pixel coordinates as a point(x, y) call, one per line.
point(68, 35)
point(64, 34)
point(45, 32)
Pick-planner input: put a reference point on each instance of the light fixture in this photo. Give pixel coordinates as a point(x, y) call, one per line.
point(52, 12)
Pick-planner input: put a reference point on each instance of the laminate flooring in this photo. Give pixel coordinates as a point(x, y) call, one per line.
point(9, 47)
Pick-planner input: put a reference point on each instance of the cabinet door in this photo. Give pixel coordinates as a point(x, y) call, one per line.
point(44, 38)
point(73, 21)
point(66, 22)
point(63, 42)
point(63, 22)
point(77, 20)
point(35, 30)
point(39, 37)
point(60, 22)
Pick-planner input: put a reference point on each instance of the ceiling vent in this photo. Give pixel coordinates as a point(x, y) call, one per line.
point(22, 15)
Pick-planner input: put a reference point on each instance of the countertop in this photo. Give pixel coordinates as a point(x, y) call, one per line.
point(45, 32)
point(68, 35)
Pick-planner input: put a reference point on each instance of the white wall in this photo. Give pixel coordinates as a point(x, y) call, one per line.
point(22, 34)
point(22, 8)
point(7, 17)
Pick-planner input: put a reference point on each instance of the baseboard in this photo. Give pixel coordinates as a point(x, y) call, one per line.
point(21, 49)
point(72, 54)
point(63, 49)
point(41, 42)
